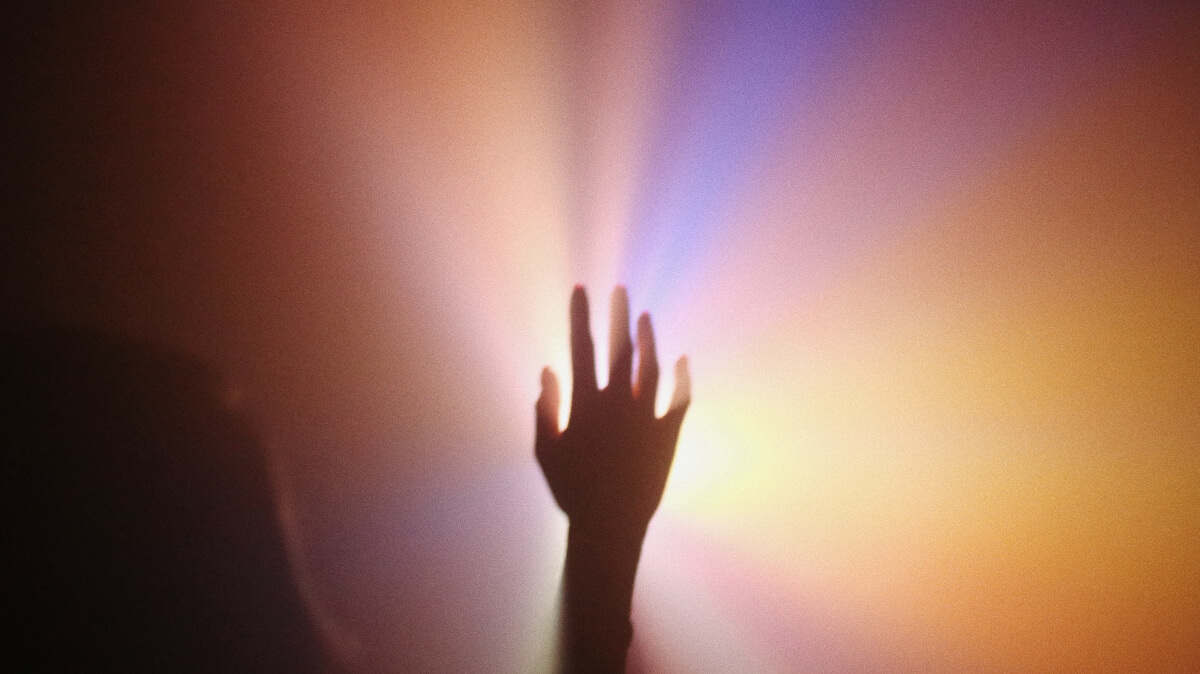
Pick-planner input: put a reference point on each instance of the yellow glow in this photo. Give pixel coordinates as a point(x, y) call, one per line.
point(962, 435)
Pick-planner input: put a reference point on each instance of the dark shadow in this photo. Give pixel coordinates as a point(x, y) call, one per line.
point(141, 530)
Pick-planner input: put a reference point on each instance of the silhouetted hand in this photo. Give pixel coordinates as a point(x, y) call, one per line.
point(607, 470)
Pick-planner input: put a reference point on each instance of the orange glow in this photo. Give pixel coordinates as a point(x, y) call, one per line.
point(936, 269)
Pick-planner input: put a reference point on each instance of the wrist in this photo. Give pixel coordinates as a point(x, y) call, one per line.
point(610, 532)
point(602, 553)
point(598, 585)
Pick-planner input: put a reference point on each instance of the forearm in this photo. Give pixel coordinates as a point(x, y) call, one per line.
point(598, 584)
point(607, 470)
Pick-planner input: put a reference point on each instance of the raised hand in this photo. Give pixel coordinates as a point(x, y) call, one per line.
point(607, 471)
point(608, 468)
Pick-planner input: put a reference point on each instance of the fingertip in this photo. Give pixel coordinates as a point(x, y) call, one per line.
point(645, 333)
point(683, 383)
point(579, 302)
point(546, 415)
point(549, 395)
point(547, 402)
point(620, 311)
point(620, 302)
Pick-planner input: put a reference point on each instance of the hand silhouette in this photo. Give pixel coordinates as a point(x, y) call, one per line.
point(607, 471)
point(608, 468)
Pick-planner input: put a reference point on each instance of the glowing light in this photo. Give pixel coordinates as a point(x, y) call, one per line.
point(943, 340)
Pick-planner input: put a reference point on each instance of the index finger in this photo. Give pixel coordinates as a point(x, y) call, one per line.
point(583, 355)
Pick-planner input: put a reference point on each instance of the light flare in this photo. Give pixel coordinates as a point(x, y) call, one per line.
point(943, 345)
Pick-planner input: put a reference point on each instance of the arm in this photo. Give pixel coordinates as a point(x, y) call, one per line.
point(607, 471)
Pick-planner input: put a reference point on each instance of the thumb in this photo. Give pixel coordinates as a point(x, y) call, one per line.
point(546, 431)
point(680, 400)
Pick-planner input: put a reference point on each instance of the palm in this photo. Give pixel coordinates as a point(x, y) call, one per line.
point(609, 466)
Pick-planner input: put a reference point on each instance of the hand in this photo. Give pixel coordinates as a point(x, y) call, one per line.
point(608, 468)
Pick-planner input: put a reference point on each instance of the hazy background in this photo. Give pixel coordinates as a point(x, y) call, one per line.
point(936, 267)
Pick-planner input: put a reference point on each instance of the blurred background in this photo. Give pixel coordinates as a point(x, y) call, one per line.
point(936, 266)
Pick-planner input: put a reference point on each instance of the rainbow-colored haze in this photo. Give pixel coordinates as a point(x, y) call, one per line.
point(936, 267)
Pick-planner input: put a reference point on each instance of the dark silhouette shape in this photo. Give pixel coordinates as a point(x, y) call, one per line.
point(607, 471)
point(141, 532)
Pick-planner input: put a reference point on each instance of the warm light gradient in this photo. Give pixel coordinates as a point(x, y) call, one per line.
point(936, 267)
point(938, 273)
